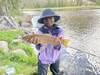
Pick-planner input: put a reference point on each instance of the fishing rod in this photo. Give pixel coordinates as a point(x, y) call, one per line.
point(84, 52)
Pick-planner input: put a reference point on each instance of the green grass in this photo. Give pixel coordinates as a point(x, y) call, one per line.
point(32, 59)
point(9, 35)
point(25, 65)
point(20, 67)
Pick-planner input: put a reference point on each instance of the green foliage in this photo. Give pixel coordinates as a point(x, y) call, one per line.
point(11, 7)
point(2, 72)
point(17, 57)
point(19, 62)
point(14, 6)
point(3, 55)
point(9, 35)
point(23, 64)
point(98, 2)
point(59, 3)
point(32, 59)
point(24, 69)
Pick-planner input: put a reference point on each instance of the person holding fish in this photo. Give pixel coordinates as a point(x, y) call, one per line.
point(49, 54)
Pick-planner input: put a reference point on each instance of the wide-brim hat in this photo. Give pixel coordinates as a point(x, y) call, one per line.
point(48, 13)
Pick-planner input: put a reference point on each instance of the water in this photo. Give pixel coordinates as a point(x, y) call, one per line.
point(83, 28)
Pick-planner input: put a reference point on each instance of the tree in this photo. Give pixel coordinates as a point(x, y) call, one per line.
point(9, 7)
point(98, 2)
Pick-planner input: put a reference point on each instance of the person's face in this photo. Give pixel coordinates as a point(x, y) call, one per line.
point(49, 21)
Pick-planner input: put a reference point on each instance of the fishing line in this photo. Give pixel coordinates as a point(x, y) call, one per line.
point(85, 52)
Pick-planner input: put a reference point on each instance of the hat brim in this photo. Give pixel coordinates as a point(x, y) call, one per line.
point(41, 20)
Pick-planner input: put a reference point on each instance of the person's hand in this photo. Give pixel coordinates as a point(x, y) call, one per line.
point(58, 40)
point(33, 40)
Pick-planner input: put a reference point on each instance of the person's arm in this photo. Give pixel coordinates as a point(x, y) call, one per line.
point(38, 46)
point(61, 36)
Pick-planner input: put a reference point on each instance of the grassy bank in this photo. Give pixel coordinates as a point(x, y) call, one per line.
point(25, 65)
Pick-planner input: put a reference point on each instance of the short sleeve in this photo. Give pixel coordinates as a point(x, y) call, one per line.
point(61, 34)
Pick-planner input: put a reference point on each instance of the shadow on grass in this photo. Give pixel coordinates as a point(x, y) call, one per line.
point(34, 73)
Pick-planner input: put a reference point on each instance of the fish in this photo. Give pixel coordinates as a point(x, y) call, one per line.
point(46, 39)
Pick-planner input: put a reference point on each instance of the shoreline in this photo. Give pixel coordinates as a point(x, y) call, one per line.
point(64, 8)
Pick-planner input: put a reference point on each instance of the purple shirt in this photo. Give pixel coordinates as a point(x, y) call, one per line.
point(49, 54)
